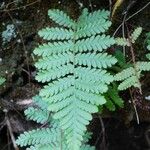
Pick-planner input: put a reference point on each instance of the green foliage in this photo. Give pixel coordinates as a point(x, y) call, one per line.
point(122, 41)
point(49, 138)
point(2, 80)
point(136, 33)
point(113, 98)
point(73, 64)
point(131, 75)
point(39, 114)
point(125, 41)
point(148, 45)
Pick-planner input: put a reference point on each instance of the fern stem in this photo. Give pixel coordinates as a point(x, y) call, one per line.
point(134, 60)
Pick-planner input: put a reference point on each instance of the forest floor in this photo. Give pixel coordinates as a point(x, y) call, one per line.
point(22, 19)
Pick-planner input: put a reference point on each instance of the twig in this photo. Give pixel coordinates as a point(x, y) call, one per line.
point(131, 17)
point(102, 132)
point(8, 139)
point(2, 124)
point(6, 10)
point(135, 109)
point(123, 32)
point(110, 7)
point(11, 133)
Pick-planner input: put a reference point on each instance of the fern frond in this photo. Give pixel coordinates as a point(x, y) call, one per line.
point(56, 33)
point(93, 29)
point(98, 15)
point(61, 18)
point(122, 41)
point(39, 136)
point(57, 86)
point(131, 81)
point(136, 33)
point(77, 77)
point(131, 75)
point(96, 43)
point(143, 66)
point(89, 87)
point(74, 119)
point(38, 115)
point(94, 17)
point(54, 61)
point(48, 75)
point(124, 74)
point(101, 60)
point(39, 102)
point(60, 96)
point(53, 48)
point(93, 75)
point(94, 99)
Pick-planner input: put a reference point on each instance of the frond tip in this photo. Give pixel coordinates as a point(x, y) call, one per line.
point(61, 18)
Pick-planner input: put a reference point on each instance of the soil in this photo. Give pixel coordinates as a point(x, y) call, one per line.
point(17, 65)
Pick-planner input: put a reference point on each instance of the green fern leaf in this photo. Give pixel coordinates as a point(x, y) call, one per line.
point(125, 74)
point(93, 28)
point(93, 75)
point(61, 18)
point(35, 114)
point(94, 17)
point(56, 34)
point(53, 48)
point(136, 33)
point(46, 75)
point(96, 43)
point(57, 87)
point(131, 81)
point(131, 75)
point(102, 60)
point(122, 41)
point(54, 61)
point(143, 66)
point(39, 102)
point(40, 136)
